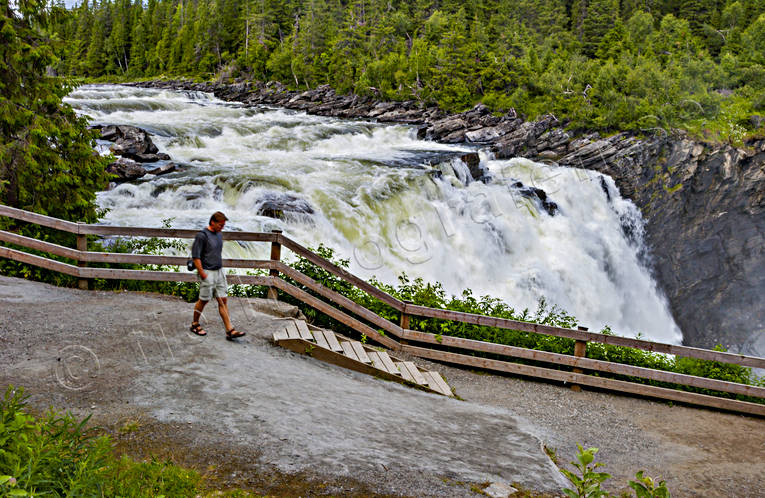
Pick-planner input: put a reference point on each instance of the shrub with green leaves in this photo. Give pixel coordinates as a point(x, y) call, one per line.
point(58, 455)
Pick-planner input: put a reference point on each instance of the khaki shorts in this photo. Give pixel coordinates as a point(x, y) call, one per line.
point(213, 286)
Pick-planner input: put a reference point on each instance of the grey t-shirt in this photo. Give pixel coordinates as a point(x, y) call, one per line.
point(208, 247)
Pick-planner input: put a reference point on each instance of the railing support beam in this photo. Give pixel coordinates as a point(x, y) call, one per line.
point(276, 255)
point(82, 246)
point(580, 350)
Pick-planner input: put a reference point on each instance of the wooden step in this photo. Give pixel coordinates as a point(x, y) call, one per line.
point(361, 353)
point(417, 376)
point(332, 341)
point(303, 330)
point(292, 331)
point(318, 337)
point(326, 346)
point(390, 367)
point(404, 371)
point(348, 350)
point(437, 383)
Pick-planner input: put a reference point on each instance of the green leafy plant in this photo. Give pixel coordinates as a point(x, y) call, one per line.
point(645, 487)
point(587, 482)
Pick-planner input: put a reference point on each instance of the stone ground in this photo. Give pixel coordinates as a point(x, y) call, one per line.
point(254, 415)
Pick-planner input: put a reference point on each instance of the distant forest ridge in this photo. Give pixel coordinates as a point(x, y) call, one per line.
point(597, 64)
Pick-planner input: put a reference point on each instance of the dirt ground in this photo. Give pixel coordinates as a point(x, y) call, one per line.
point(254, 415)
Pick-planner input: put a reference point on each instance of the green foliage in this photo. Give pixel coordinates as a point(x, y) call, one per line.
point(597, 63)
point(58, 455)
point(47, 163)
point(645, 487)
point(587, 482)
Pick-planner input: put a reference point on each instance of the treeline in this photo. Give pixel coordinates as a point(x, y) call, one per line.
point(605, 64)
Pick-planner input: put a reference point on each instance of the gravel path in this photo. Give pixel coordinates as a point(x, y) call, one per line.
point(255, 415)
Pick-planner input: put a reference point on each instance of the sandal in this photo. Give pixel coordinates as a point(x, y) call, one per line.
point(234, 334)
point(197, 329)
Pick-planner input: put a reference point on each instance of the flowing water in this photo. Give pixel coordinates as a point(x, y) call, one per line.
point(383, 199)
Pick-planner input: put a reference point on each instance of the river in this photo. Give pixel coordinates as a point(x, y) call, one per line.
point(390, 203)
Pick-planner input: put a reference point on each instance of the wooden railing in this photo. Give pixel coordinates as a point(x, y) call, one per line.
point(395, 336)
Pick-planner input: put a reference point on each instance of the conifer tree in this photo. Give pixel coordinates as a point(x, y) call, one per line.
point(47, 164)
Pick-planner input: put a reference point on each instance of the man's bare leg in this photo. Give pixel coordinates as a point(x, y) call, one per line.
point(198, 308)
point(223, 310)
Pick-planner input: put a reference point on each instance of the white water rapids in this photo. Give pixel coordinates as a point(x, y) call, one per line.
point(377, 202)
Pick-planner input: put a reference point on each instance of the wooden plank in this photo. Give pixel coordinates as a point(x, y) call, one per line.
point(109, 257)
point(178, 233)
point(657, 347)
point(31, 259)
point(321, 341)
point(38, 219)
point(332, 341)
point(303, 330)
point(348, 350)
point(388, 363)
point(358, 348)
point(280, 335)
point(588, 363)
point(39, 245)
point(335, 313)
point(291, 329)
point(415, 372)
point(305, 347)
point(404, 371)
point(376, 361)
point(341, 300)
point(587, 380)
point(340, 272)
point(442, 385)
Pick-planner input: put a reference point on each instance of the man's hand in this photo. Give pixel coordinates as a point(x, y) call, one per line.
point(200, 270)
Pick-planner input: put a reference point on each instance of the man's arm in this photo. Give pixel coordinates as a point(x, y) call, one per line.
point(198, 266)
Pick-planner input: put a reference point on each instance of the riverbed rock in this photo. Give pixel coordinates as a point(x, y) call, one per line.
point(282, 206)
point(126, 170)
point(164, 169)
point(131, 142)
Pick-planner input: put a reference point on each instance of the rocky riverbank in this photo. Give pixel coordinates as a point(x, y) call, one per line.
point(703, 203)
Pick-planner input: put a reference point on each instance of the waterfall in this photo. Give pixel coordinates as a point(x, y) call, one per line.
point(381, 198)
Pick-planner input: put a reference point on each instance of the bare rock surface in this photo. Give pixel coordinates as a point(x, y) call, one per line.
point(252, 414)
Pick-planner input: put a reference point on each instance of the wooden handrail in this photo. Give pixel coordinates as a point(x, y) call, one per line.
point(341, 273)
point(588, 380)
point(656, 347)
point(397, 331)
point(38, 219)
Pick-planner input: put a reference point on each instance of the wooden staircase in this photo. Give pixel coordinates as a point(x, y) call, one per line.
point(333, 348)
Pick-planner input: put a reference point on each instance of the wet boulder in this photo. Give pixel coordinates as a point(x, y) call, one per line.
point(164, 169)
point(131, 142)
point(537, 194)
point(281, 206)
point(126, 170)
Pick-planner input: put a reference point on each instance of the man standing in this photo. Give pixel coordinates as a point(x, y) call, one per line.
point(207, 254)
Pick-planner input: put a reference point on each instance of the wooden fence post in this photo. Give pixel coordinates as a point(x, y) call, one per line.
point(404, 321)
point(276, 255)
point(580, 350)
point(82, 245)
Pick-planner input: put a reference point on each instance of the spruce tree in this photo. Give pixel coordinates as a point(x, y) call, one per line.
point(47, 164)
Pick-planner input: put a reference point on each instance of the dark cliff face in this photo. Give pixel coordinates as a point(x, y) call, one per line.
point(705, 223)
point(704, 204)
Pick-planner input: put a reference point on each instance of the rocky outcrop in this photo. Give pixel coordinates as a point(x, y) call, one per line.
point(705, 212)
point(282, 206)
point(703, 203)
point(133, 143)
point(125, 170)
